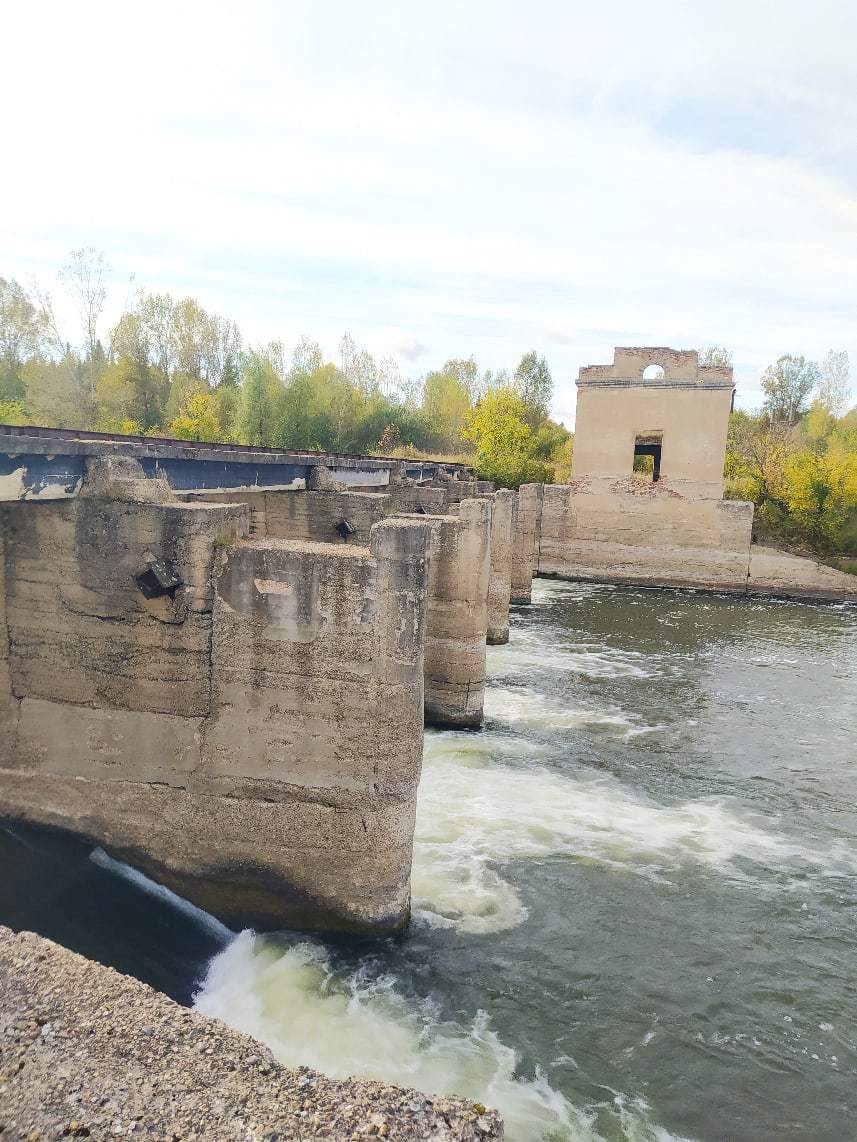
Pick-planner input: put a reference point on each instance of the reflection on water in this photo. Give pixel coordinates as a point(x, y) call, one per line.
point(634, 890)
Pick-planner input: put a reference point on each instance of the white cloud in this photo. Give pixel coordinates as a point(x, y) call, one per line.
point(454, 180)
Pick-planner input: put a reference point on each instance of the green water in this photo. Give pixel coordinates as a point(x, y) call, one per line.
point(635, 892)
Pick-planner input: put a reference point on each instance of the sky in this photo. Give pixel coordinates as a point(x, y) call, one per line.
point(450, 178)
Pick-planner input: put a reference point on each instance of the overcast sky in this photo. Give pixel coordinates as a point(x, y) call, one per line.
point(451, 178)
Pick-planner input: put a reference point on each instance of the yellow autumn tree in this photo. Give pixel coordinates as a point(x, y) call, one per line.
point(198, 419)
point(506, 448)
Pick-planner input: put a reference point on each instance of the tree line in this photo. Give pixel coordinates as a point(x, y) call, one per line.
point(796, 459)
point(169, 367)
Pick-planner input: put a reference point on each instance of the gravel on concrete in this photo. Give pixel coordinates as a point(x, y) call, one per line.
point(86, 1052)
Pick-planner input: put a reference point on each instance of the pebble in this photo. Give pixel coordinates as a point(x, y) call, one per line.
point(128, 1060)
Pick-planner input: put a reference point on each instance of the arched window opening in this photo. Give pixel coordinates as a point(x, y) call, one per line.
point(653, 373)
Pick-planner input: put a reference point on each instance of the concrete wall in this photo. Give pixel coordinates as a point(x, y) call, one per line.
point(500, 582)
point(458, 490)
point(526, 531)
point(410, 497)
point(282, 513)
point(644, 535)
point(774, 572)
point(688, 407)
point(457, 615)
point(253, 742)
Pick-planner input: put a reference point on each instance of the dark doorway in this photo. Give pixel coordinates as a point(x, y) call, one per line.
point(647, 455)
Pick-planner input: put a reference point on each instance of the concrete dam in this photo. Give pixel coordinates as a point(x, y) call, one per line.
point(217, 661)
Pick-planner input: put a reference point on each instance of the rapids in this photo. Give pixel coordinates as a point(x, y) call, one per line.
point(634, 890)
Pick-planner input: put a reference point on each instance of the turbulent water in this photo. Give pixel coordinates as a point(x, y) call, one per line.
point(635, 891)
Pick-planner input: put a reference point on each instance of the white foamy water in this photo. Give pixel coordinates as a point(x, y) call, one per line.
point(359, 1024)
point(475, 815)
point(527, 651)
point(529, 709)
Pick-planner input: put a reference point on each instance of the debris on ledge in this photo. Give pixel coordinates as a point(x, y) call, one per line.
point(86, 1052)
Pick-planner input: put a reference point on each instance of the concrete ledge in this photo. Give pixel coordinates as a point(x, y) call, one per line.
point(774, 572)
point(87, 1052)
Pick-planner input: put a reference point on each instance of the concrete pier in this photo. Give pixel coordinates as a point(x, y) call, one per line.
point(526, 534)
point(457, 615)
point(241, 718)
point(500, 582)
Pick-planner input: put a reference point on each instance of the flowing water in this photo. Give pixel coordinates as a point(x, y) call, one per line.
point(635, 891)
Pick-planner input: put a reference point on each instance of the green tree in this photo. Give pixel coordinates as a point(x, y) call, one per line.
point(261, 394)
point(57, 393)
point(504, 441)
point(787, 386)
point(23, 332)
point(534, 385)
point(446, 402)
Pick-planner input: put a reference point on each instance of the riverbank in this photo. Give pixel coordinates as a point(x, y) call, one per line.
point(86, 1052)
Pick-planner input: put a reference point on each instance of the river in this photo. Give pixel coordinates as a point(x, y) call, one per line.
point(635, 889)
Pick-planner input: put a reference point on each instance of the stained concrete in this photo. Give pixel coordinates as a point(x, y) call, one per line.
point(644, 534)
point(688, 408)
point(457, 614)
point(500, 582)
point(526, 537)
point(253, 737)
point(774, 572)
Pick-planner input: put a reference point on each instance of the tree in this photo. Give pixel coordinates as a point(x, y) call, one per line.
point(467, 372)
point(787, 386)
point(83, 277)
point(715, 355)
point(821, 493)
point(504, 441)
point(23, 332)
point(446, 402)
point(156, 311)
point(258, 409)
point(835, 388)
point(534, 385)
point(57, 393)
point(306, 356)
point(194, 337)
point(198, 420)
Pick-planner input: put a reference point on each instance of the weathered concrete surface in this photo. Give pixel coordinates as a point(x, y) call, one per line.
point(413, 497)
point(688, 408)
point(317, 704)
point(458, 489)
point(457, 614)
point(774, 572)
point(88, 1053)
point(281, 513)
point(252, 738)
point(500, 582)
point(526, 534)
point(644, 534)
point(618, 526)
